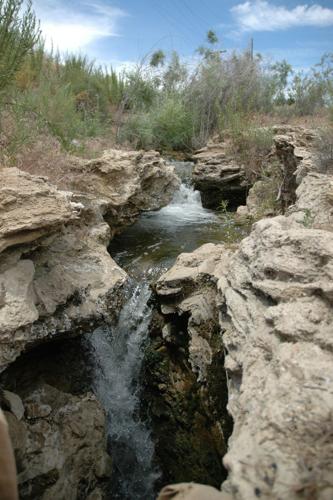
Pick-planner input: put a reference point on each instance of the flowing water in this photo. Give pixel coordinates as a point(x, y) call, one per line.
point(145, 251)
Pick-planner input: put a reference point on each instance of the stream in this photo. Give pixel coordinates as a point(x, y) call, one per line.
point(145, 250)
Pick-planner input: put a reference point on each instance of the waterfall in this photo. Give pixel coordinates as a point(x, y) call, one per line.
point(145, 250)
point(117, 356)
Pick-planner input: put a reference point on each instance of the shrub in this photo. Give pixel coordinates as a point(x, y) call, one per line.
point(19, 32)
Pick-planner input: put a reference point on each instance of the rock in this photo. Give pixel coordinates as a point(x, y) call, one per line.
point(186, 289)
point(291, 158)
point(56, 275)
point(219, 177)
point(58, 452)
point(181, 382)
point(14, 403)
point(29, 208)
point(191, 491)
point(276, 319)
point(66, 285)
point(129, 182)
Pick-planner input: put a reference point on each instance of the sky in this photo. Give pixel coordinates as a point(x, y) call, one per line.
point(122, 32)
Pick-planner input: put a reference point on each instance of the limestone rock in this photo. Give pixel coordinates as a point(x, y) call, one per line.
point(187, 289)
point(128, 182)
point(218, 176)
point(65, 285)
point(58, 451)
point(29, 207)
point(278, 316)
point(182, 382)
point(59, 279)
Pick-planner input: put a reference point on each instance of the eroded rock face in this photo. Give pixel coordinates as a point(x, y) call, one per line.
point(59, 444)
point(29, 208)
point(278, 295)
point(56, 275)
point(291, 158)
point(184, 391)
point(276, 319)
point(128, 182)
point(219, 177)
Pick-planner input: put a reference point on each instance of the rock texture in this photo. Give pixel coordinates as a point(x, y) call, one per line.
point(59, 444)
point(184, 392)
point(128, 182)
point(276, 320)
point(29, 208)
point(56, 275)
point(218, 176)
point(291, 158)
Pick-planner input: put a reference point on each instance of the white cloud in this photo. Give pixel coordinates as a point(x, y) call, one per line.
point(260, 15)
point(70, 28)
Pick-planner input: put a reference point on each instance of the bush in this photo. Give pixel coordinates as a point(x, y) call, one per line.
point(19, 32)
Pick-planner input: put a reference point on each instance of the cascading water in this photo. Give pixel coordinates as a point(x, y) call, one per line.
point(145, 250)
point(118, 356)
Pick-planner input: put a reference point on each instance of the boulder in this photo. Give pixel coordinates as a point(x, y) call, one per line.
point(275, 300)
point(219, 177)
point(128, 182)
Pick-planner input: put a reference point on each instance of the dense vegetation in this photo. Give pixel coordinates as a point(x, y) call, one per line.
point(162, 103)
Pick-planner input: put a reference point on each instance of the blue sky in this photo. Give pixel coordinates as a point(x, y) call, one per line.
point(124, 31)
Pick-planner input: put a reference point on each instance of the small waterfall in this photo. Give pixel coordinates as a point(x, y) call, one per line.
point(117, 357)
point(145, 250)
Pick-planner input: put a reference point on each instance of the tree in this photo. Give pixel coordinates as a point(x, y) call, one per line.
point(212, 37)
point(157, 59)
point(19, 32)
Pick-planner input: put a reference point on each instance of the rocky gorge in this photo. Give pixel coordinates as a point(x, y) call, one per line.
point(238, 361)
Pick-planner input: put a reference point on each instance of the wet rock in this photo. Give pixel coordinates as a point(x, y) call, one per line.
point(182, 386)
point(59, 452)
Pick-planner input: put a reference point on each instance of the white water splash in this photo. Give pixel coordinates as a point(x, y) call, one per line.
point(117, 357)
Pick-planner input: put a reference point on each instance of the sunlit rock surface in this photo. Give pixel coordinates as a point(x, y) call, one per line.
point(276, 319)
point(56, 275)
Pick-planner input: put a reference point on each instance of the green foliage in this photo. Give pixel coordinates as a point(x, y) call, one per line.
point(212, 37)
point(157, 59)
point(166, 126)
point(19, 32)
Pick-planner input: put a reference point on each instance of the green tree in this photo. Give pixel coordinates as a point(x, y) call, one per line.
point(157, 59)
point(19, 32)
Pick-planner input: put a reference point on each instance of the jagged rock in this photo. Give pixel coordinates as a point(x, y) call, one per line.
point(29, 208)
point(128, 182)
point(189, 288)
point(276, 319)
point(218, 177)
point(182, 384)
point(60, 445)
point(292, 157)
point(65, 285)
point(279, 320)
point(59, 278)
